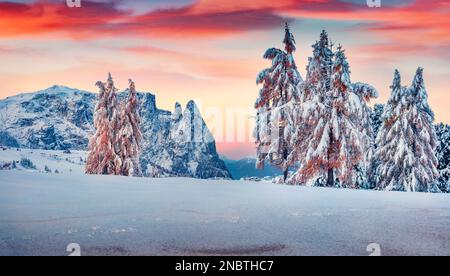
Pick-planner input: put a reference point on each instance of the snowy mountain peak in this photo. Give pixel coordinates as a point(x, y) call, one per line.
point(60, 90)
point(192, 106)
point(178, 112)
point(60, 117)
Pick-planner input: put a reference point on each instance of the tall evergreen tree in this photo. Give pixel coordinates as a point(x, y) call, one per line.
point(391, 138)
point(407, 141)
point(130, 134)
point(346, 142)
point(309, 117)
point(103, 157)
point(335, 149)
point(422, 117)
point(319, 69)
point(280, 89)
point(334, 137)
point(362, 119)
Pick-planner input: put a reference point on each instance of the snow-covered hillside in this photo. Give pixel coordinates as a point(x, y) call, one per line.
point(55, 118)
point(61, 118)
point(40, 214)
point(44, 161)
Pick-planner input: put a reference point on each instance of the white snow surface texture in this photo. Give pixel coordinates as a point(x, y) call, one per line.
point(41, 213)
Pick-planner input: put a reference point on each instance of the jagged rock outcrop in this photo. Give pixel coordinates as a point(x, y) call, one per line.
point(60, 118)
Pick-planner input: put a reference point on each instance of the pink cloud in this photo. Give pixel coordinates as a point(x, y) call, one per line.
point(414, 24)
point(216, 67)
point(105, 19)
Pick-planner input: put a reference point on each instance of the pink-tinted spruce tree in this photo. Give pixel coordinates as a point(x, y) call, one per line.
point(103, 156)
point(130, 134)
point(280, 88)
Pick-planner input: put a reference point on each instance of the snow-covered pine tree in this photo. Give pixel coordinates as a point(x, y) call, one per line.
point(443, 156)
point(280, 89)
point(103, 157)
point(114, 119)
point(310, 114)
point(319, 69)
point(425, 142)
point(339, 150)
point(130, 134)
point(361, 118)
point(407, 140)
point(311, 117)
point(391, 139)
point(334, 134)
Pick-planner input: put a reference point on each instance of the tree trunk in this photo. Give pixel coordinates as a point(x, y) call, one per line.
point(285, 175)
point(330, 181)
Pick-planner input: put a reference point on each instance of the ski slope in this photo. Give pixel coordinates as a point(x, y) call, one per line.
point(40, 214)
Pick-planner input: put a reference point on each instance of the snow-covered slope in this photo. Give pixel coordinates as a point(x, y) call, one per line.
point(61, 118)
point(44, 161)
point(40, 214)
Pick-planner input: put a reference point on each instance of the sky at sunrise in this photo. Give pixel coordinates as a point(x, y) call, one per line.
point(211, 50)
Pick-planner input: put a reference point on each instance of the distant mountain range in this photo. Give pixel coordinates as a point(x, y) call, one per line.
point(60, 118)
point(246, 168)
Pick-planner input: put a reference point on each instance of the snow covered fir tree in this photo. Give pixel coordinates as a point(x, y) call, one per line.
point(390, 138)
point(103, 157)
point(280, 88)
point(407, 140)
point(130, 134)
point(309, 112)
point(114, 148)
point(326, 123)
point(333, 137)
point(336, 141)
